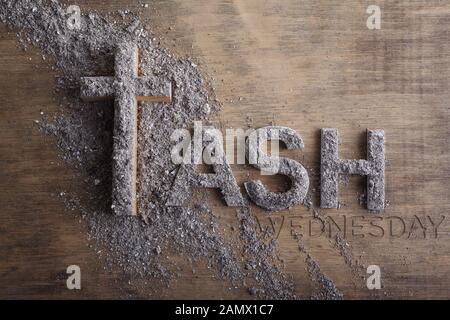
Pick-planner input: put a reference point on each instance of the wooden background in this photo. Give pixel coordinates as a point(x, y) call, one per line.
point(302, 64)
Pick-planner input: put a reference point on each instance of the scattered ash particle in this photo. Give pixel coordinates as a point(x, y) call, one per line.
point(83, 132)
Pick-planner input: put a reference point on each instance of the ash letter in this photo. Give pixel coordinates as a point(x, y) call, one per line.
point(222, 178)
point(331, 166)
point(274, 201)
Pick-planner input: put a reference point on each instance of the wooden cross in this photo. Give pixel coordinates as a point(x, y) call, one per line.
point(126, 88)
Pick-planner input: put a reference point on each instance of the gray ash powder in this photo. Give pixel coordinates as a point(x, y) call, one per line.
point(84, 134)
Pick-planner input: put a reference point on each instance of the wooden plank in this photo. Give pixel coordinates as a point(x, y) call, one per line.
point(303, 64)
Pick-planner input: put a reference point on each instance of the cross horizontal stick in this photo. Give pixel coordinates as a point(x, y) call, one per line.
point(126, 88)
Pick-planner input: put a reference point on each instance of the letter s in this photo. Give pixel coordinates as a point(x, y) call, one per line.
point(277, 165)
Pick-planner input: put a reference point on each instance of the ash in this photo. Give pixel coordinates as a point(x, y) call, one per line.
point(83, 132)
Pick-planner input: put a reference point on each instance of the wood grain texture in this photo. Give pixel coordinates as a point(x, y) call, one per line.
point(302, 64)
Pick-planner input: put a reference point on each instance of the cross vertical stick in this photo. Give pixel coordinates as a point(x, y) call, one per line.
point(127, 89)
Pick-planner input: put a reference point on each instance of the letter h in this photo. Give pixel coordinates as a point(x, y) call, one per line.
point(331, 166)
